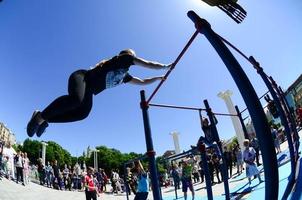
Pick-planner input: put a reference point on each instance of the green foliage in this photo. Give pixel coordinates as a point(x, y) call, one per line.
point(33, 149)
point(53, 152)
point(111, 159)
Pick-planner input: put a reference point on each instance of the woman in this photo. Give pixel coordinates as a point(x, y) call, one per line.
point(249, 156)
point(83, 84)
point(143, 182)
point(90, 187)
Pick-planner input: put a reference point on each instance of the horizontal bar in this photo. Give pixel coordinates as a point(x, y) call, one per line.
point(177, 107)
point(135, 159)
point(259, 98)
point(190, 108)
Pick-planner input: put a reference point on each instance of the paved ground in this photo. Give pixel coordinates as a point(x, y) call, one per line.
point(11, 191)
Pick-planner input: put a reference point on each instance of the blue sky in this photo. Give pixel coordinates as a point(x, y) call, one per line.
point(43, 42)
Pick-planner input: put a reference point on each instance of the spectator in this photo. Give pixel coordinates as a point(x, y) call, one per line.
point(65, 176)
point(90, 188)
point(276, 139)
point(186, 179)
point(26, 169)
point(239, 158)
point(130, 182)
point(176, 176)
point(57, 179)
point(10, 153)
point(249, 155)
point(49, 174)
point(255, 145)
point(41, 171)
point(19, 167)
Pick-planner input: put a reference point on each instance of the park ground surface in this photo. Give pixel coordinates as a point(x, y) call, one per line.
point(9, 190)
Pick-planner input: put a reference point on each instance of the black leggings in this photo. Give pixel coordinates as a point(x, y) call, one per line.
point(72, 107)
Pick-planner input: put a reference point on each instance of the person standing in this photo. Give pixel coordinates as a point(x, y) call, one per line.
point(239, 159)
point(228, 159)
point(255, 145)
point(26, 169)
point(19, 167)
point(56, 173)
point(49, 174)
point(90, 187)
point(176, 176)
point(143, 182)
point(249, 155)
point(186, 179)
point(276, 139)
point(10, 153)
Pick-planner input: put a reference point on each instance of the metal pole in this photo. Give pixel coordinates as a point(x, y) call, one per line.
point(246, 135)
point(284, 123)
point(223, 166)
point(254, 106)
point(150, 150)
point(202, 149)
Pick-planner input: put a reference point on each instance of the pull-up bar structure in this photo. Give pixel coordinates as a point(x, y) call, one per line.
point(190, 108)
point(173, 65)
point(250, 98)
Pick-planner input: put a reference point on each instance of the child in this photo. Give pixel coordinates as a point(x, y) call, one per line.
point(83, 84)
point(249, 156)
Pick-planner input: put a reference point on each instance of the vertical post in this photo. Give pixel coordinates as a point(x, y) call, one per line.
point(202, 149)
point(288, 116)
point(253, 104)
point(284, 123)
point(242, 122)
point(223, 166)
point(150, 149)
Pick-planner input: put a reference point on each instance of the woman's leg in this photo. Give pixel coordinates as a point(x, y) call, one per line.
point(74, 106)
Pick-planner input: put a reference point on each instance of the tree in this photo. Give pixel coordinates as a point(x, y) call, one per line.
point(33, 149)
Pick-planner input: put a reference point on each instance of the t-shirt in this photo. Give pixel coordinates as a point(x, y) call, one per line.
point(187, 171)
point(89, 181)
point(111, 73)
point(249, 154)
point(143, 183)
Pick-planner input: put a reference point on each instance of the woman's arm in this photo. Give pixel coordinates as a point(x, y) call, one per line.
point(146, 81)
point(150, 64)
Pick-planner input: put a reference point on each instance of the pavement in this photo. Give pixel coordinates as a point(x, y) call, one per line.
point(10, 190)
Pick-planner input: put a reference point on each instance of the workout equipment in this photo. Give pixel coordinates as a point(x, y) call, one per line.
point(230, 7)
point(249, 96)
point(277, 110)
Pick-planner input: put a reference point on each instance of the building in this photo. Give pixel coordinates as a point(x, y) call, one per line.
point(294, 93)
point(6, 135)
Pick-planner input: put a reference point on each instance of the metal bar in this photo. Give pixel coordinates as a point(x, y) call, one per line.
point(223, 166)
point(246, 135)
point(176, 107)
point(284, 123)
point(189, 108)
point(206, 171)
point(150, 149)
point(251, 100)
point(173, 66)
point(259, 98)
